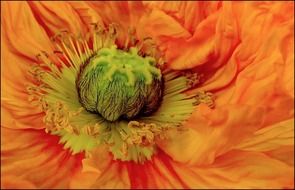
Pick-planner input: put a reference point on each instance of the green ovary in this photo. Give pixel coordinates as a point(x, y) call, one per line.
point(118, 84)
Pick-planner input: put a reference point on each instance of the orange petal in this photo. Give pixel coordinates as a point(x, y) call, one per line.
point(264, 19)
point(211, 133)
point(227, 35)
point(196, 50)
point(154, 174)
point(235, 169)
point(117, 174)
point(214, 31)
point(220, 79)
point(36, 157)
point(284, 154)
point(87, 14)
point(158, 25)
point(124, 13)
point(189, 14)
point(14, 182)
point(270, 137)
point(163, 29)
point(238, 170)
point(213, 41)
point(16, 110)
point(262, 76)
point(16, 118)
point(263, 63)
point(23, 38)
point(278, 105)
point(232, 170)
point(21, 32)
point(286, 80)
point(105, 172)
point(248, 64)
point(57, 16)
point(83, 180)
point(114, 177)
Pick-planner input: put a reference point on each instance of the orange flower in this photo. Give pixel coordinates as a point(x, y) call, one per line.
point(240, 53)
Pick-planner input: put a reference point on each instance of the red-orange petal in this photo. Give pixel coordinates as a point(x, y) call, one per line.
point(104, 172)
point(284, 154)
point(14, 182)
point(36, 157)
point(236, 169)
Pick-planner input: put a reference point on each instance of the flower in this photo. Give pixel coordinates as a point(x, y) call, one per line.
point(239, 54)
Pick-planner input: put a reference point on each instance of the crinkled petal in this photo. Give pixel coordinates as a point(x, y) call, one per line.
point(125, 13)
point(157, 173)
point(238, 170)
point(166, 27)
point(21, 32)
point(14, 182)
point(188, 13)
point(199, 19)
point(114, 177)
point(230, 170)
point(83, 180)
point(260, 82)
point(253, 86)
point(22, 40)
point(36, 157)
point(212, 43)
point(213, 29)
point(235, 169)
point(104, 172)
point(198, 49)
point(16, 109)
point(270, 138)
point(86, 13)
point(262, 66)
point(211, 133)
point(283, 153)
point(262, 74)
point(58, 16)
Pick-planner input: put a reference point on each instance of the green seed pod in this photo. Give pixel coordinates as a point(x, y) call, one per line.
point(115, 84)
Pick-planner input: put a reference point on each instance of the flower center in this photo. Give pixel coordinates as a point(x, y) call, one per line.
point(119, 84)
point(114, 86)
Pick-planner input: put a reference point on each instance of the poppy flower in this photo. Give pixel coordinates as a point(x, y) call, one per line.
point(147, 95)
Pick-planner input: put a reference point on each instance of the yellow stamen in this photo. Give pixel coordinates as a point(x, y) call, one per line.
point(142, 134)
point(111, 35)
point(193, 79)
point(91, 130)
point(204, 97)
point(58, 118)
point(130, 40)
